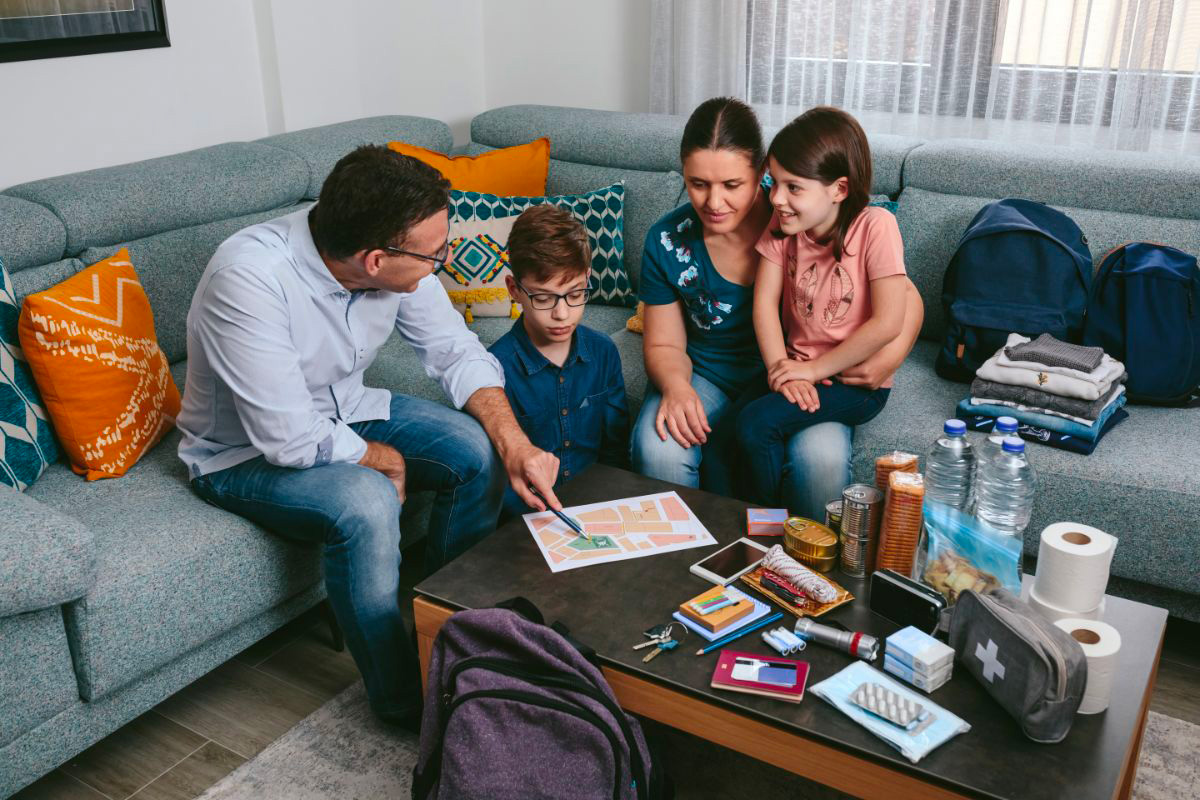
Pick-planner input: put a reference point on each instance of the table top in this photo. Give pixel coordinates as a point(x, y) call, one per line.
point(608, 606)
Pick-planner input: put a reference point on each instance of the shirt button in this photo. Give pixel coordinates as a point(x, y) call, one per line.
point(566, 473)
point(562, 379)
point(564, 412)
point(567, 443)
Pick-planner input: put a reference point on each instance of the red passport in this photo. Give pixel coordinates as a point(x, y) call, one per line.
point(752, 673)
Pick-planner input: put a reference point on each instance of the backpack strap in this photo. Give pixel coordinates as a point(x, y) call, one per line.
point(524, 607)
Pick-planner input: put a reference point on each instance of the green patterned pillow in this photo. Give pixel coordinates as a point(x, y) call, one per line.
point(27, 443)
point(470, 275)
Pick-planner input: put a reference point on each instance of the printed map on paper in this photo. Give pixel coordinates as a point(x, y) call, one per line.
point(620, 529)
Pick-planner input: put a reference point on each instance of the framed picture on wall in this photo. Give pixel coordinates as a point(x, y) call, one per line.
point(52, 28)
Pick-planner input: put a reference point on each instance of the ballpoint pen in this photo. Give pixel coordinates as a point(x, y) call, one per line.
point(570, 523)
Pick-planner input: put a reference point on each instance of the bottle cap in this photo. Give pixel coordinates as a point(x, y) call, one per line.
point(955, 427)
point(1007, 424)
point(1013, 445)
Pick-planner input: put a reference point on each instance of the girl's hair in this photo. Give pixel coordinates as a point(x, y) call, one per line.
point(723, 123)
point(825, 144)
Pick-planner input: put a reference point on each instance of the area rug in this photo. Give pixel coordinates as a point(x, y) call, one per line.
point(340, 752)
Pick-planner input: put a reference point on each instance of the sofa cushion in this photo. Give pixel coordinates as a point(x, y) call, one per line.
point(517, 170)
point(46, 557)
point(321, 147)
point(932, 223)
point(29, 234)
point(172, 572)
point(645, 142)
point(1153, 184)
point(118, 204)
point(36, 279)
point(1146, 468)
point(36, 678)
point(169, 266)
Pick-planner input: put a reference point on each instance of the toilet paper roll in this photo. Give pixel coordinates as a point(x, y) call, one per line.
point(1054, 613)
point(1073, 562)
point(1101, 643)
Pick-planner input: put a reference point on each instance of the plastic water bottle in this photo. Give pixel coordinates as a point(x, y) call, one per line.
point(1007, 485)
point(991, 447)
point(950, 468)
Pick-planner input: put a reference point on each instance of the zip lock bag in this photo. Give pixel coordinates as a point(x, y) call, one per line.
point(1036, 671)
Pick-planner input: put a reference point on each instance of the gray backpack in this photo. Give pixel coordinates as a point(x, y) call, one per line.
point(515, 710)
point(1036, 671)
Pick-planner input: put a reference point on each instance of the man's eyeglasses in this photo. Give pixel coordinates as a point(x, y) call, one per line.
point(544, 301)
point(439, 258)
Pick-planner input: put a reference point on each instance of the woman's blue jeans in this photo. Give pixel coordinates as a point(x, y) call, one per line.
point(816, 469)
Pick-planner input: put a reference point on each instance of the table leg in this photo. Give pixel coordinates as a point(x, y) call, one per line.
point(1129, 770)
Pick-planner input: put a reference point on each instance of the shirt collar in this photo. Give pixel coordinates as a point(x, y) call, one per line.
point(532, 359)
point(309, 259)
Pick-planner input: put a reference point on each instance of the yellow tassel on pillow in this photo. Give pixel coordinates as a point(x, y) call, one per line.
point(514, 312)
point(467, 315)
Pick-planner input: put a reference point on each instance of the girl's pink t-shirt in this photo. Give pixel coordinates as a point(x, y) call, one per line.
point(825, 301)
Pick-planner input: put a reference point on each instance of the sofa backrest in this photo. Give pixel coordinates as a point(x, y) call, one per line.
point(1114, 197)
point(173, 212)
point(590, 149)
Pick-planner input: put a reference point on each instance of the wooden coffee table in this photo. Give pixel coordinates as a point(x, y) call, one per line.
point(608, 606)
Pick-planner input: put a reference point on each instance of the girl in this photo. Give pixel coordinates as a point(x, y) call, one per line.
point(837, 265)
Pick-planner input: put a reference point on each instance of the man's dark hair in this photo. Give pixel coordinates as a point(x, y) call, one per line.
point(545, 242)
point(373, 197)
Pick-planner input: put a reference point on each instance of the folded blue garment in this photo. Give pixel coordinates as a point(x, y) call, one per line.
point(1032, 433)
point(1050, 422)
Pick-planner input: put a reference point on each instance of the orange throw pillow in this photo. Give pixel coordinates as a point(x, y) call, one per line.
point(91, 346)
point(519, 170)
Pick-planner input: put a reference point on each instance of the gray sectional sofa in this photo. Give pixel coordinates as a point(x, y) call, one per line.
point(115, 594)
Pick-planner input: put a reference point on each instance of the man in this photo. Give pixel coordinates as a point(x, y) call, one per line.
point(278, 427)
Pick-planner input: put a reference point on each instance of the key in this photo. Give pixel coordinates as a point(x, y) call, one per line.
point(646, 644)
point(663, 646)
point(654, 636)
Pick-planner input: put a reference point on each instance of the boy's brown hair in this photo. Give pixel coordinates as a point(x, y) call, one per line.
point(546, 241)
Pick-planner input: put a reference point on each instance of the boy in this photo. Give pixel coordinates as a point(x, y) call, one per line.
point(563, 379)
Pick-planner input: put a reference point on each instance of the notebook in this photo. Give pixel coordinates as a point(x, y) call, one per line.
point(761, 609)
point(769, 676)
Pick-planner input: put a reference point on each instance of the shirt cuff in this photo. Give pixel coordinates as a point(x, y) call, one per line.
point(343, 445)
point(483, 372)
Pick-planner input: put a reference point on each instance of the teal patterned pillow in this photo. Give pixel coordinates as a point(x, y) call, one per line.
point(27, 443)
point(601, 211)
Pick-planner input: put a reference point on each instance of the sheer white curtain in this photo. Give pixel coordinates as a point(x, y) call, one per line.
point(1122, 74)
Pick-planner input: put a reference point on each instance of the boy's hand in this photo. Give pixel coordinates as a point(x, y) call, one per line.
point(788, 369)
point(802, 393)
point(681, 413)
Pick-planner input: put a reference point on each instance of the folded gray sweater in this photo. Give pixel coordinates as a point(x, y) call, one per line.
point(1026, 396)
point(1056, 353)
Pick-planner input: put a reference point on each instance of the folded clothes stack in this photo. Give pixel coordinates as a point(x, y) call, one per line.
point(1064, 395)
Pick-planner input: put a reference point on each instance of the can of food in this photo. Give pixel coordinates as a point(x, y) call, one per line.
point(825, 564)
point(862, 509)
point(808, 539)
point(833, 515)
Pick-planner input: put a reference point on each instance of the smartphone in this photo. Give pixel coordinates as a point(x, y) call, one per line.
point(730, 562)
point(773, 672)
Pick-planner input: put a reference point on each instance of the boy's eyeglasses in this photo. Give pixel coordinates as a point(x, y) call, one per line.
point(544, 301)
point(439, 258)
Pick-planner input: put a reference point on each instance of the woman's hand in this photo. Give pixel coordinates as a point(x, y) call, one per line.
point(802, 393)
point(681, 413)
point(788, 369)
point(872, 373)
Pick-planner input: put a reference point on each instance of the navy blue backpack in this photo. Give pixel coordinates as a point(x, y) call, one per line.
point(1145, 312)
point(1020, 267)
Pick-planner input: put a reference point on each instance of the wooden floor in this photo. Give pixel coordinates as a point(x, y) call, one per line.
point(196, 737)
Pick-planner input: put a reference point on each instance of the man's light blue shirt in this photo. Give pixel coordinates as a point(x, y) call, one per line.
point(277, 348)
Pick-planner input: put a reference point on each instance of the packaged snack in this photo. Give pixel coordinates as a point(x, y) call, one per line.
point(962, 552)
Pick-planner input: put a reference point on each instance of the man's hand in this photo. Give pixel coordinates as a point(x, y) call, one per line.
point(788, 369)
point(531, 468)
point(386, 459)
point(681, 413)
point(802, 393)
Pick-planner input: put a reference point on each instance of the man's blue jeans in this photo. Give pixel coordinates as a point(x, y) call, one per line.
point(817, 464)
point(354, 513)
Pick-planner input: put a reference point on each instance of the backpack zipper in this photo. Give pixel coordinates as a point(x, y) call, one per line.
point(533, 675)
point(1048, 647)
point(554, 705)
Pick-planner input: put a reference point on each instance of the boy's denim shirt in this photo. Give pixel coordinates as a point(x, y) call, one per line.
point(578, 411)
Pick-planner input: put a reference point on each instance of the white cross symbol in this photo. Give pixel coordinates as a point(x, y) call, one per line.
point(991, 664)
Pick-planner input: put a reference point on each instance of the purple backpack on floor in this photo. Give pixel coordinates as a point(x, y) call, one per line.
point(514, 711)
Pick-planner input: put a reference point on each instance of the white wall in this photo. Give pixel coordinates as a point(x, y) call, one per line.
point(68, 114)
point(586, 53)
point(241, 69)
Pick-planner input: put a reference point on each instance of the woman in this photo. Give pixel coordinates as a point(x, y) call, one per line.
point(701, 355)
